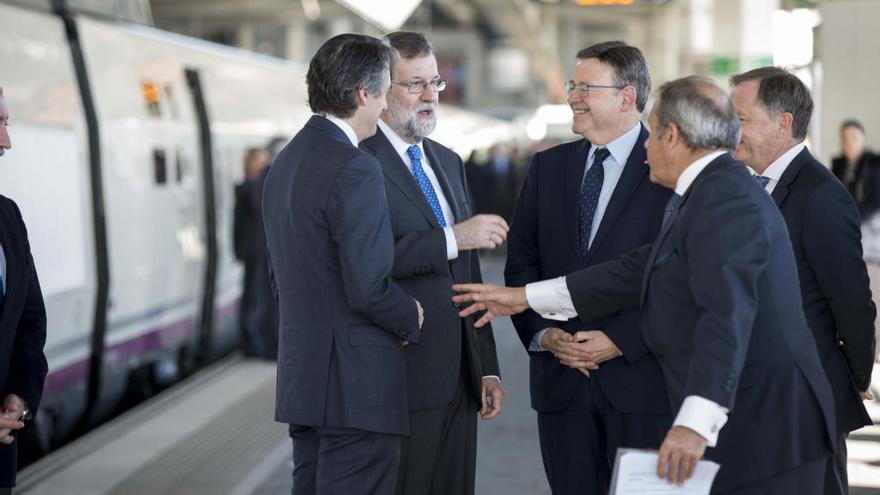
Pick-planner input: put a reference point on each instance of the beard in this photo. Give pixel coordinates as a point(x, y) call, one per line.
point(408, 124)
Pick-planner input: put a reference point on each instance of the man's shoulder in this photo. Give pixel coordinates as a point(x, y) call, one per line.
point(443, 152)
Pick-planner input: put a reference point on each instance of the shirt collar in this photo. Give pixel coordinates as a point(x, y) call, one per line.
point(347, 129)
point(621, 147)
point(778, 167)
point(397, 142)
point(689, 174)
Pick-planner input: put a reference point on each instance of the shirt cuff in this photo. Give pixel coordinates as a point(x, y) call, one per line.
point(550, 299)
point(493, 376)
point(535, 344)
point(703, 416)
point(451, 244)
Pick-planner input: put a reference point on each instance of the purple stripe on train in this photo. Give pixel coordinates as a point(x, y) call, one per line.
point(66, 377)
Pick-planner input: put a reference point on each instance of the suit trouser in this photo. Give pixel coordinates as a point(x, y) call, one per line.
point(806, 479)
point(331, 461)
point(440, 455)
point(579, 443)
point(836, 478)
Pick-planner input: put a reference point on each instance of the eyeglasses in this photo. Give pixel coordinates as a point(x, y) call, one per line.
point(419, 87)
point(584, 90)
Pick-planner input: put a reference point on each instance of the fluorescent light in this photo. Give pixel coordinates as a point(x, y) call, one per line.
point(388, 15)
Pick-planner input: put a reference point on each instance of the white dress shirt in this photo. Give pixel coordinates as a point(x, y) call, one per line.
point(347, 129)
point(400, 146)
point(779, 166)
point(619, 149)
point(552, 300)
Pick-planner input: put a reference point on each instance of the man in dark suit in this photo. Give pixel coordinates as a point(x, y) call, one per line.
point(343, 320)
point(720, 306)
point(858, 169)
point(22, 327)
point(453, 371)
point(584, 203)
point(823, 223)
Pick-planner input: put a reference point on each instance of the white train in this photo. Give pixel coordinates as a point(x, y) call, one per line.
point(127, 142)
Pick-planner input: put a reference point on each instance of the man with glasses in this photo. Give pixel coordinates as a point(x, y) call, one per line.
point(594, 384)
point(453, 371)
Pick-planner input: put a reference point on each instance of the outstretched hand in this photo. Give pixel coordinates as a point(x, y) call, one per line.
point(493, 299)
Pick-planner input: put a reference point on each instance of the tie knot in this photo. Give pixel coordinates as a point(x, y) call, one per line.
point(414, 153)
point(600, 155)
point(760, 179)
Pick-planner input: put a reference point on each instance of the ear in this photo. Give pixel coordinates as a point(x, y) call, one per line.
point(628, 101)
point(671, 134)
point(784, 124)
point(361, 97)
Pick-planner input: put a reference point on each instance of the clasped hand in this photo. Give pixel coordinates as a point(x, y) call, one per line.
point(583, 351)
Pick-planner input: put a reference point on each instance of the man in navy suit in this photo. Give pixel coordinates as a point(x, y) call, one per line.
point(582, 204)
point(343, 320)
point(452, 373)
point(823, 222)
point(22, 327)
point(720, 306)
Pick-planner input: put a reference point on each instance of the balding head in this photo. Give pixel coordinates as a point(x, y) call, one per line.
point(701, 110)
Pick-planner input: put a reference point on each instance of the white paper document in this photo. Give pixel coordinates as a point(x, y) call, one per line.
point(635, 473)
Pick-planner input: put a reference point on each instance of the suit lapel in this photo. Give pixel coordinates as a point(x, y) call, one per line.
point(443, 178)
point(634, 171)
point(397, 172)
point(574, 175)
point(780, 192)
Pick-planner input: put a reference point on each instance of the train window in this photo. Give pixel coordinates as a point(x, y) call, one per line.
point(160, 170)
point(151, 95)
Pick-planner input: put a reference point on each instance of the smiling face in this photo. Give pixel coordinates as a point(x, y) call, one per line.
point(413, 116)
point(599, 116)
point(760, 143)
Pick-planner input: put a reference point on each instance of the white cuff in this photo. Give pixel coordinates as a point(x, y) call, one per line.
point(550, 299)
point(703, 416)
point(493, 376)
point(451, 244)
point(535, 344)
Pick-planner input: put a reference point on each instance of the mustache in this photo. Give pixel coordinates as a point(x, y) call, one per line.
point(426, 106)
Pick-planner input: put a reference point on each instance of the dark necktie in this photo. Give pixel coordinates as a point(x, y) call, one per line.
point(589, 199)
point(2, 292)
point(671, 206)
point(760, 179)
point(415, 155)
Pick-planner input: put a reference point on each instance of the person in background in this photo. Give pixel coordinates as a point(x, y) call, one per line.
point(23, 365)
point(858, 169)
point(249, 243)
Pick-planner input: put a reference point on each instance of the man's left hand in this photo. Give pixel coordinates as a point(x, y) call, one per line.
point(679, 454)
point(597, 346)
point(493, 397)
point(13, 408)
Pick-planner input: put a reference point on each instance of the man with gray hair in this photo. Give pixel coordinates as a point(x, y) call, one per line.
point(774, 107)
point(721, 309)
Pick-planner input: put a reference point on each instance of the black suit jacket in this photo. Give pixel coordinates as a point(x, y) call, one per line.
point(22, 327)
point(721, 311)
point(823, 224)
point(421, 267)
point(340, 362)
point(865, 184)
point(543, 243)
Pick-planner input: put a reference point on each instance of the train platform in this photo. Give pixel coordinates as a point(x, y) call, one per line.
point(214, 434)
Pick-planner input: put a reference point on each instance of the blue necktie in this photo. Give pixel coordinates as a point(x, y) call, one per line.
point(760, 179)
point(2, 292)
point(415, 155)
point(589, 199)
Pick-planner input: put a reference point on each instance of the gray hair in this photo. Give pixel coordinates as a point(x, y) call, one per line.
point(781, 91)
point(630, 67)
point(703, 113)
